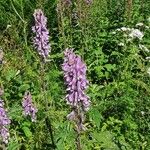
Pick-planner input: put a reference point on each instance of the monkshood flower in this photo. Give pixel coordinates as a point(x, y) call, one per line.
point(41, 39)
point(28, 108)
point(4, 121)
point(75, 77)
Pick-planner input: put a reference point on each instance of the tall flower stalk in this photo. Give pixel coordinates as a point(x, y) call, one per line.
point(75, 78)
point(4, 122)
point(28, 108)
point(42, 45)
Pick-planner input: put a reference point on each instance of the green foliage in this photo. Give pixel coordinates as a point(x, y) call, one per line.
point(119, 90)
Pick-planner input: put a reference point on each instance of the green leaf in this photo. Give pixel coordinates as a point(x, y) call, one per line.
point(27, 131)
point(10, 74)
point(13, 145)
point(96, 117)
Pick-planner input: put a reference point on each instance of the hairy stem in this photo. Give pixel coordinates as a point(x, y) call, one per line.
point(78, 142)
point(47, 120)
point(3, 147)
point(79, 121)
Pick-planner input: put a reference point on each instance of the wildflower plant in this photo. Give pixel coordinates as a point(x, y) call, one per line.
point(41, 43)
point(75, 78)
point(41, 39)
point(4, 122)
point(131, 33)
point(28, 108)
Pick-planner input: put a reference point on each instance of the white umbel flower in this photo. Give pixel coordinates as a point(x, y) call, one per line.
point(136, 33)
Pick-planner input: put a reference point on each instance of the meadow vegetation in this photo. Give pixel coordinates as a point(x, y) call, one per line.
point(112, 37)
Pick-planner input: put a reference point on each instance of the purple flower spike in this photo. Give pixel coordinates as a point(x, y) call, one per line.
point(75, 77)
point(4, 121)
point(41, 39)
point(29, 108)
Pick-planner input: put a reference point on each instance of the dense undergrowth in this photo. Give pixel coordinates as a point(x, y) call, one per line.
point(117, 69)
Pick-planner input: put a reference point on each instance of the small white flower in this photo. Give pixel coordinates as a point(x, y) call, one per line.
point(118, 29)
point(123, 28)
point(129, 29)
point(8, 26)
point(136, 33)
point(147, 58)
point(114, 32)
point(121, 44)
point(142, 47)
point(139, 24)
point(142, 112)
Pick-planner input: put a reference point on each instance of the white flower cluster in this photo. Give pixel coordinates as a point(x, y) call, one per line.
point(131, 33)
point(124, 29)
point(136, 33)
point(121, 44)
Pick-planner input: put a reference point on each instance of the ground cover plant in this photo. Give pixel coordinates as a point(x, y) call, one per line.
point(74, 74)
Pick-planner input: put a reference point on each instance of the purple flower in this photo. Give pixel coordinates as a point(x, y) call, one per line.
point(4, 121)
point(75, 77)
point(78, 118)
point(29, 108)
point(88, 1)
point(41, 39)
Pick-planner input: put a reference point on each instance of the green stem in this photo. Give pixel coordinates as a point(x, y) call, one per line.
point(47, 120)
point(3, 147)
point(16, 11)
point(61, 23)
point(78, 122)
point(78, 142)
point(22, 19)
